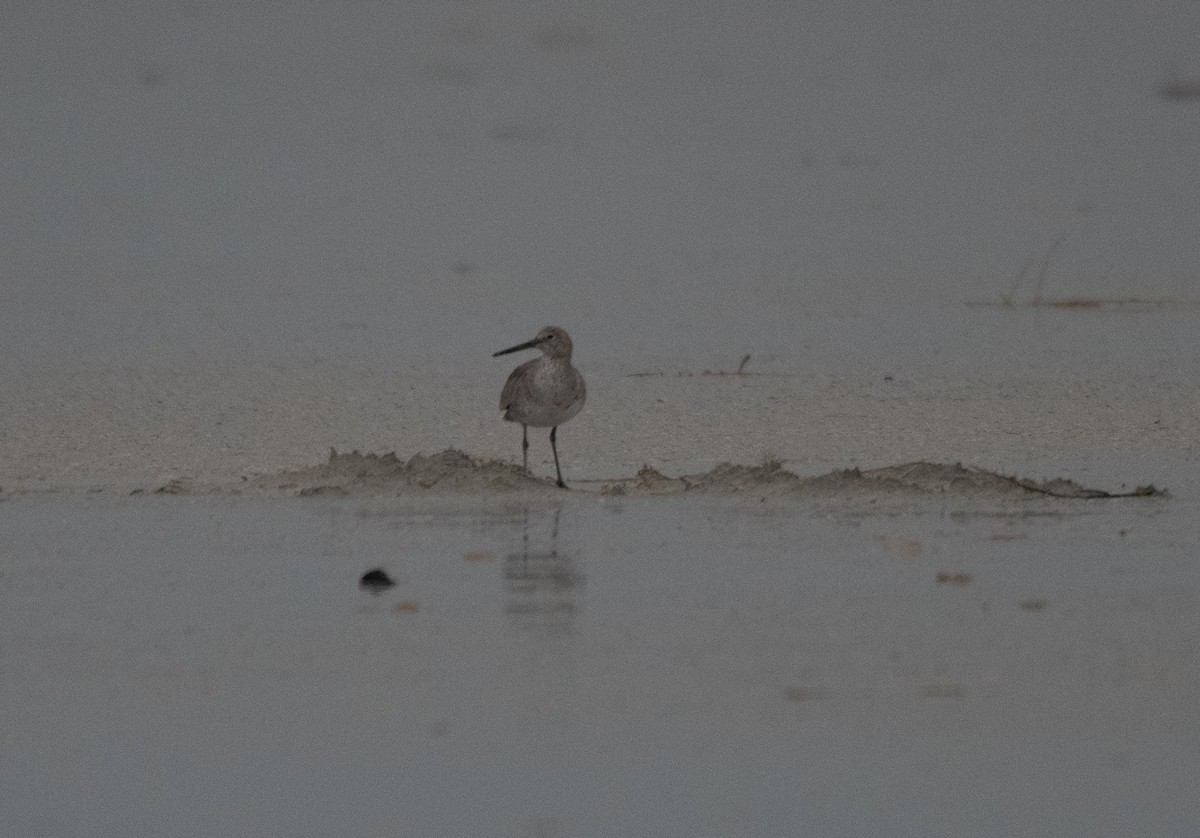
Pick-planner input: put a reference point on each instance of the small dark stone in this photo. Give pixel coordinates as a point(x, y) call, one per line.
point(376, 581)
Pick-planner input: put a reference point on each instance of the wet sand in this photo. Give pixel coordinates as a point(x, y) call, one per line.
point(122, 429)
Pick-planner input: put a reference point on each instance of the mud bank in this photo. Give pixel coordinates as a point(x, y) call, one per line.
point(346, 474)
point(456, 472)
point(917, 478)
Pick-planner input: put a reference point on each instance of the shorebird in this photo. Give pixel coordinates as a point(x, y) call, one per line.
point(544, 392)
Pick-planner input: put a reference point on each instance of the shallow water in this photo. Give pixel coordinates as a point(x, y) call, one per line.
point(194, 666)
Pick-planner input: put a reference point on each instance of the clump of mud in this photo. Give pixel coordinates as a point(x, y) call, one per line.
point(919, 478)
point(357, 474)
point(957, 480)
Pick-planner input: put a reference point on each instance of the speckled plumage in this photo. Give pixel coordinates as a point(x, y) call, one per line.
point(543, 393)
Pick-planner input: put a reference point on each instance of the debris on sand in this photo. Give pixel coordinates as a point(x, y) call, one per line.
point(649, 481)
point(728, 477)
point(725, 478)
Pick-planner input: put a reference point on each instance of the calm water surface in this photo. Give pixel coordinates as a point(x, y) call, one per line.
point(674, 667)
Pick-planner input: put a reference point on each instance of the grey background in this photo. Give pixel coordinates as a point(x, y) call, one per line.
point(670, 181)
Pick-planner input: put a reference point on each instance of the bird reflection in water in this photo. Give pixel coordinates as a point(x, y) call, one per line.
point(541, 586)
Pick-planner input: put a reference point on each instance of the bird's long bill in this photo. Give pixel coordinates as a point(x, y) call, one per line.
point(529, 344)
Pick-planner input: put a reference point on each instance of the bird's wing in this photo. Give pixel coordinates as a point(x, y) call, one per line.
point(518, 384)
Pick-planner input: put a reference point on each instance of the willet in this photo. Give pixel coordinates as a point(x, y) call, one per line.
point(544, 392)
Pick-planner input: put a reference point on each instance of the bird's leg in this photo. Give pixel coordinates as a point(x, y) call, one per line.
point(525, 447)
point(554, 448)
